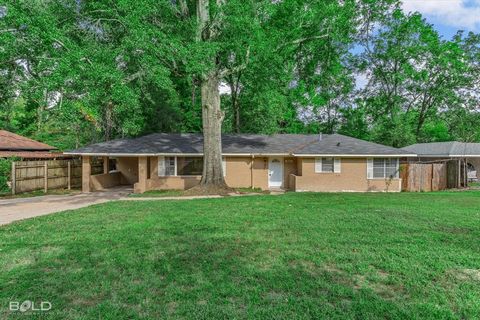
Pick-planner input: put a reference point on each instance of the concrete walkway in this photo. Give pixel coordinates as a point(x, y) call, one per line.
point(24, 208)
point(169, 198)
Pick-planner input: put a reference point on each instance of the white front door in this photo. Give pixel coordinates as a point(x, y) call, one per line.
point(275, 172)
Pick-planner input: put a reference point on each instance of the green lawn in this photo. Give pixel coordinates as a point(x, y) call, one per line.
point(293, 256)
point(180, 193)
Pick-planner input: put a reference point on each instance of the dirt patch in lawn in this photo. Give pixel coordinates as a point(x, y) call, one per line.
point(172, 307)
point(377, 280)
point(201, 190)
point(465, 274)
point(455, 230)
point(385, 290)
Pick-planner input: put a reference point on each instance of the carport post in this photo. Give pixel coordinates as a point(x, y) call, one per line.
point(86, 171)
point(142, 175)
point(105, 165)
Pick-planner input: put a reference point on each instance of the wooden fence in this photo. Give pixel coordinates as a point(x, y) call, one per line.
point(52, 174)
point(436, 176)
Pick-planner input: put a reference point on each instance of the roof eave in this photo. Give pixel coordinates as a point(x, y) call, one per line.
point(94, 154)
point(357, 155)
point(113, 154)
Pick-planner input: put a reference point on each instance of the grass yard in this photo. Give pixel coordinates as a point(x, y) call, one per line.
point(294, 256)
point(180, 193)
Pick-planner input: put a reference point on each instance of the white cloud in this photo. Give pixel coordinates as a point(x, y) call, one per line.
point(456, 13)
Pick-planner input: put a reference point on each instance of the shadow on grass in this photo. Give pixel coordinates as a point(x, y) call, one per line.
point(293, 256)
point(174, 274)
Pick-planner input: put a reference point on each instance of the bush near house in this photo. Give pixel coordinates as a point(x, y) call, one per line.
point(5, 172)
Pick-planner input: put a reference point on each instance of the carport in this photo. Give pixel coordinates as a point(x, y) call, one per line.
point(117, 171)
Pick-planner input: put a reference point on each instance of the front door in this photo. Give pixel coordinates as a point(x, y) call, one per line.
point(275, 172)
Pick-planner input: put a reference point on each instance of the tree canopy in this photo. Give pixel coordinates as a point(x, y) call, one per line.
point(75, 72)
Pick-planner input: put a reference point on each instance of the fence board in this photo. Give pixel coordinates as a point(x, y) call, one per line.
point(30, 175)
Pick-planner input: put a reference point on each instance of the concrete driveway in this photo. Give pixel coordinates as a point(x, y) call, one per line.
point(24, 208)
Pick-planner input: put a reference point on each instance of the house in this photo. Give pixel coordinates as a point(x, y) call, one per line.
point(14, 145)
point(289, 161)
point(451, 150)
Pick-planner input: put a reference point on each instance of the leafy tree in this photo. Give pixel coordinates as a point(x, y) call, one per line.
point(413, 76)
point(76, 60)
point(225, 40)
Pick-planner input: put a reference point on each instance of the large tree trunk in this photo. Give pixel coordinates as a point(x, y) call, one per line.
point(212, 117)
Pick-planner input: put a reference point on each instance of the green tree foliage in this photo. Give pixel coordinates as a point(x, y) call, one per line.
point(75, 72)
point(5, 172)
point(83, 72)
point(415, 78)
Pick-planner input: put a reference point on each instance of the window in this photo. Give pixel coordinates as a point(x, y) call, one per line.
point(326, 165)
point(383, 168)
point(166, 166)
point(379, 168)
point(189, 166)
point(183, 166)
point(169, 166)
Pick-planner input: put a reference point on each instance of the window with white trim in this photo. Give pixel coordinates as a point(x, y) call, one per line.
point(327, 165)
point(169, 166)
point(385, 168)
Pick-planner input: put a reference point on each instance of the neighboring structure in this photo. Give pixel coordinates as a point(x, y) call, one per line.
point(289, 161)
point(467, 153)
point(14, 145)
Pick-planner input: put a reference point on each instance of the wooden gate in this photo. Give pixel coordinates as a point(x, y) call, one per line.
point(419, 177)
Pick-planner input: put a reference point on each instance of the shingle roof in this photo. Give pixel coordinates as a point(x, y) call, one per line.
point(192, 143)
point(337, 144)
point(32, 154)
point(12, 141)
point(445, 149)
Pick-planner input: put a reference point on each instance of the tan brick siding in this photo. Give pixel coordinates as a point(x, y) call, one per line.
point(353, 177)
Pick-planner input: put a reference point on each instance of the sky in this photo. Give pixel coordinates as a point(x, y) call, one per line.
point(448, 16)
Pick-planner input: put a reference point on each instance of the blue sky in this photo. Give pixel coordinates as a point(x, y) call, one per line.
point(448, 16)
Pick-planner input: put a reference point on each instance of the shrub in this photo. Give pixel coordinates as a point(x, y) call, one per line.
point(5, 170)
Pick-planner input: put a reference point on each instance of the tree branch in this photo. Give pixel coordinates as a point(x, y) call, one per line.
point(228, 71)
point(302, 40)
point(133, 76)
point(8, 30)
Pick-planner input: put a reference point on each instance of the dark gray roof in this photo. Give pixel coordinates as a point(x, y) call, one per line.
point(337, 144)
point(445, 149)
point(192, 143)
